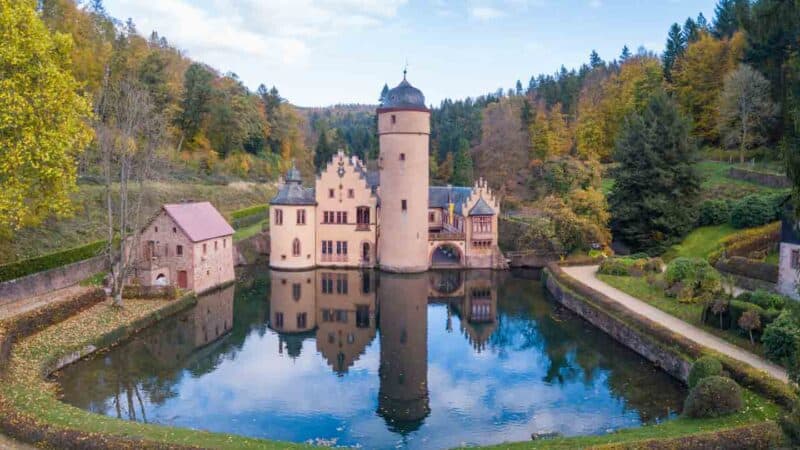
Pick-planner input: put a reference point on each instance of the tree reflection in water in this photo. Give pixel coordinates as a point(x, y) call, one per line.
point(434, 360)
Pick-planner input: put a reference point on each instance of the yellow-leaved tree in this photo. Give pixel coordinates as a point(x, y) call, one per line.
point(43, 119)
point(698, 77)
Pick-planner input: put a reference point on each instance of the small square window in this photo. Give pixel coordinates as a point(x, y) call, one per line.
point(402, 156)
point(174, 230)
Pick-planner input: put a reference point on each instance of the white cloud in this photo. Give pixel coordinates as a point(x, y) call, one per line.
point(278, 31)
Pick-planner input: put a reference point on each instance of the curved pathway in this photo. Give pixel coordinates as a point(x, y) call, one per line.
point(588, 276)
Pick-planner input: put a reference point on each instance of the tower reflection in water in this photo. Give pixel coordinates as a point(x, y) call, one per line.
point(342, 310)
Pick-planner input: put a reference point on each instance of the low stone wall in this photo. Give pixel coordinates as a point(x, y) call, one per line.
point(50, 280)
point(765, 179)
point(671, 361)
point(251, 250)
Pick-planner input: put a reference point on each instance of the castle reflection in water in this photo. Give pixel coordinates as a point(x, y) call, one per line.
point(343, 310)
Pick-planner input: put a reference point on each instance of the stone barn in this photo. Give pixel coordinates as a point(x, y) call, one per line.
point(188, 245)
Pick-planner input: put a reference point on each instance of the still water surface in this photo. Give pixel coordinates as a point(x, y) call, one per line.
point(351, 358)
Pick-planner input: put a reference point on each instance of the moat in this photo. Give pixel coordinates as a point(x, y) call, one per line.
point(349, 358)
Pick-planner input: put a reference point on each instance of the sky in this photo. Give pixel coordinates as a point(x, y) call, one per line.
point(324, 52)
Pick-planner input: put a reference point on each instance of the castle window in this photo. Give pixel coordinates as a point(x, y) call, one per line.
point(351, 193)
point(296, 290)
point(331, 193)
point(301, 320)
point(482, 224)
point(402, 156)
point(179, 250)
point(156, 229)
point(278, 320)
point(205, 249)
point(394, 119)
point(403, 205)
point(431, 217)
point(327, 283)
point(225, 243)
point(301, 216)
point(296, 247)
point(362, 216)
point(216, 245)
point(174, 230)
point(341, 288)
point(278, 217)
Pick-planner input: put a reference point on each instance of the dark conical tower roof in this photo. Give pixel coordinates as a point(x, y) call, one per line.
point(404, 96)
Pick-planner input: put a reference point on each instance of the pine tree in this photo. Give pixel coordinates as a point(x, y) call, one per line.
point(324, 151)
point(676, 45)
point(626, 53)
point(519, 88)
point(656, 185)
point(595, 60)
point(702, 23)
point(691, 32)
point(384, 94)
point(462, 166)
point(725, 22)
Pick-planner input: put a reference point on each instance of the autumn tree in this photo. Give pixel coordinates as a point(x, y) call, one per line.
point(750, 321)
point(656, 184)
point(129, 131)
point(43, 119)
point(697, 80)
point(745, 109)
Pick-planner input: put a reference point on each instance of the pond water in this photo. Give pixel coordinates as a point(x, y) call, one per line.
point(368, 359)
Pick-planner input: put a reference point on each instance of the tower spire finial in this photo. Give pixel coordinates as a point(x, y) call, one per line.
point(405, 70)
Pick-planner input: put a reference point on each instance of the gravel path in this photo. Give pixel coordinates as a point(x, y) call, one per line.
point(588, 276)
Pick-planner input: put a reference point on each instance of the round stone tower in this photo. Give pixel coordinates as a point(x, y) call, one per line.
point(404, 129)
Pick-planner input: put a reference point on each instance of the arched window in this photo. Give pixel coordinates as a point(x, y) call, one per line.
point(296, 247)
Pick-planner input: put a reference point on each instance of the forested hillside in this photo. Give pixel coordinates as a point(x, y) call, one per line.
point(545, 145)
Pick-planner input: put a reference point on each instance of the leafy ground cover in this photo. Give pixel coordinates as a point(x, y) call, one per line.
point(688, 312)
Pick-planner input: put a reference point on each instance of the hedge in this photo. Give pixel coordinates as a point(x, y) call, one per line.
point(760, 436)
point(749, 268)
point(51, 261)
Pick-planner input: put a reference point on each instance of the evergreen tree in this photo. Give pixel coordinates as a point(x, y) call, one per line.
point(691, 32)
point(384, 94)
point(531, 85)
point(519, 88)
point(324, 151)
point(594, 60)
point(653, 200)
point(676, 45)
point(702, 23)
point(725, 21)
point(626, 53)
point(197, 92)
point(462, 166)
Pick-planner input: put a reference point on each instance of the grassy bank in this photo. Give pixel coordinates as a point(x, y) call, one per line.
point(717, 183)
point(701, 242)
point(87, 224)
point(688, 312)
point(27, 399)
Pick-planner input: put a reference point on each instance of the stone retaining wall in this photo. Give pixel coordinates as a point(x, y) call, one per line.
point(50, 280)
point(765, 179)
point(251, 250)
point(662, 356)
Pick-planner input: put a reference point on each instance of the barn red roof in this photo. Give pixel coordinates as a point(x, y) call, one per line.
point(200, 221)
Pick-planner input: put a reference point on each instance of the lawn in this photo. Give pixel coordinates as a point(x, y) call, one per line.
point(688, 312)
point(700, 243)
point(249, 231)
point(717, 184)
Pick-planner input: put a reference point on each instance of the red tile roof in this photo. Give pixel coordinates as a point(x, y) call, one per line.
point(200, 221)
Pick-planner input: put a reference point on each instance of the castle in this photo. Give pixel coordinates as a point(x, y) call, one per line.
point(390, 218)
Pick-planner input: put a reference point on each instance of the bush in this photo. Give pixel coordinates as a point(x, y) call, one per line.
point(51, 261)
point(692, 279)
point(780, 338)
point(702, 368)
point(713, 396)
point(630, 265)
point(764, 299)
point(754, 210)
point(714, 212)
point(613, 266)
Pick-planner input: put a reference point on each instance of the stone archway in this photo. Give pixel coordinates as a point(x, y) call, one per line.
point(447, 255)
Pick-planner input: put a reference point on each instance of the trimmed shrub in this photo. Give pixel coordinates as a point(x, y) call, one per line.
point(692, 279)
point(764, 299)
point(781, 337)
point(613, 266)
point(713, 396)
point(629, 265)
point(51, 261)
point(702, 368)
point(714, 212)
point(754, 210)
